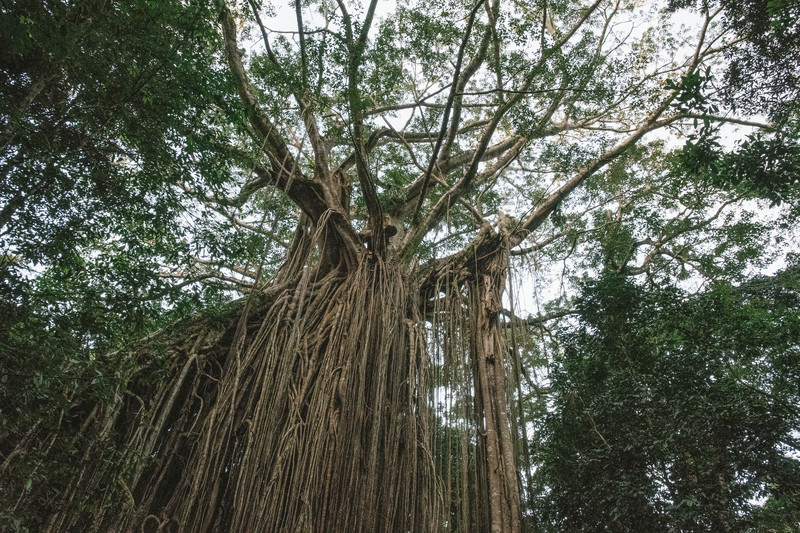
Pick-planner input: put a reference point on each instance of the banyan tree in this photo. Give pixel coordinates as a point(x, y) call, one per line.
point(371, 190)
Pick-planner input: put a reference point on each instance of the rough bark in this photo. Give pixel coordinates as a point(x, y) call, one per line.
point(492, 417)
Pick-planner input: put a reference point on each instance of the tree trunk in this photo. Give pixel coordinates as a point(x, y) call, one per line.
point(307, 419)
point(491, 415)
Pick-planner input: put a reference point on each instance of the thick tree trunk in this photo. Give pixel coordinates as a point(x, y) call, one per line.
point(306, 410)
point(492, 419)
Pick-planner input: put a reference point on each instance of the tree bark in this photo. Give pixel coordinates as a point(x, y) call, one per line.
point(489, 368)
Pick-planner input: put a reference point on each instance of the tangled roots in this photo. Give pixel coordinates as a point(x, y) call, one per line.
point(307, 417)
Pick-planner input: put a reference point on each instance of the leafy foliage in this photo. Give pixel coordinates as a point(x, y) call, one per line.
point(97, 121)
point(763, 74)
point(760, 166)
point(675, 412)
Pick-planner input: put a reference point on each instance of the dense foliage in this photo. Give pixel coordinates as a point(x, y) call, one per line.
point(676, 412)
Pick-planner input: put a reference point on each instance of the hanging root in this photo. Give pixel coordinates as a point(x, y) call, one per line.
point(312, 419)
point(475, 446)
point(310, 407)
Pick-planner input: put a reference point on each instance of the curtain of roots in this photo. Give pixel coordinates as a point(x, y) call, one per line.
point(309, 419)
point(331, 404)
point(477, 445)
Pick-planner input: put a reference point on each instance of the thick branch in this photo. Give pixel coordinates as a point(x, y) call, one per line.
point(321, 170)
point(276, 148)
point(356, 49)
point(487, 240)
point(466, 182)
point(310, 196)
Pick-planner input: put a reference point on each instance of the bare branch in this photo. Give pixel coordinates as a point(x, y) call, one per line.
point(458, 78)
point(730, 120)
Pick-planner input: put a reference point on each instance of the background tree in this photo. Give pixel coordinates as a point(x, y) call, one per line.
point(675, 412)
point(364, 181)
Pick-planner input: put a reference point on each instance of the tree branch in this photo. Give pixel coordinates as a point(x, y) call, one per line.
point(465, 183)
point(457, 79)
point(278, 152)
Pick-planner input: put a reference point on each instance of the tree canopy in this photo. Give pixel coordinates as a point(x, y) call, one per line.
point(679, 411)
point(533, 262)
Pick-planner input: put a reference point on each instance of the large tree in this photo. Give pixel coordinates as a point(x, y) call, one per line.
point(364, 183)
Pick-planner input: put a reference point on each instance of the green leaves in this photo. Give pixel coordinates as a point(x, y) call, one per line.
point(763, 76)
point(760, 166)
point(691, 92)
point(671, 412)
